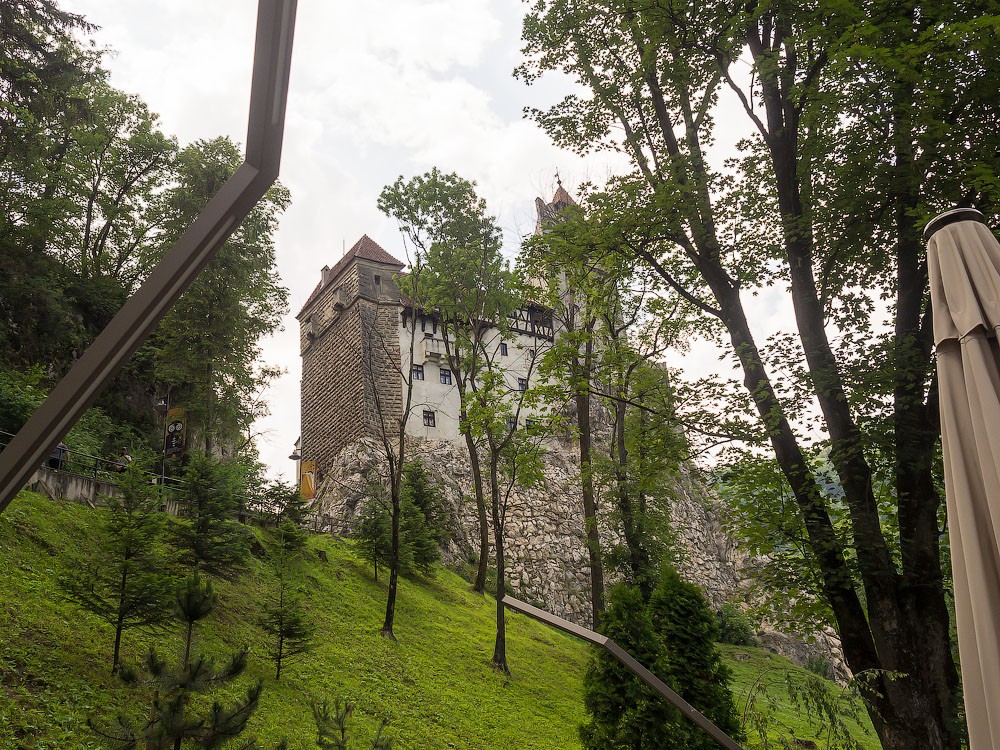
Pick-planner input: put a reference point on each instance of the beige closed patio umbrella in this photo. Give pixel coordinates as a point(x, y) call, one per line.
point(963, 260)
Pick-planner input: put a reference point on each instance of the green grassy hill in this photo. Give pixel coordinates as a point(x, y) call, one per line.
point(435, 686)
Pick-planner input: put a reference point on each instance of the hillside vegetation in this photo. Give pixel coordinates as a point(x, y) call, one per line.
point(435, 686)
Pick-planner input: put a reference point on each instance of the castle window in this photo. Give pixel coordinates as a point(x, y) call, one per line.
point(428, 418)
point(529, 424)
point(378, 280)
point(511, 424)
point(530, 354)
point(418, 372)
point(522, 384)
point(503, 349)
point(446, 376)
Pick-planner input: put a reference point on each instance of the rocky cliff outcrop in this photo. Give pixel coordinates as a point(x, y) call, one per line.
point(548, 564)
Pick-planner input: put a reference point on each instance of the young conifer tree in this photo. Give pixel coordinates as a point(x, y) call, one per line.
point(288, 626)
point(208, 537)
point(175, 718)
point(673, 634)
point(332, 726)
point(423, 527)
point(124, 580)
point(285, 619)
point(374, 531)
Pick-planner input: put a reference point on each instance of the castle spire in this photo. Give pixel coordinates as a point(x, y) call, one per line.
point(549, 212)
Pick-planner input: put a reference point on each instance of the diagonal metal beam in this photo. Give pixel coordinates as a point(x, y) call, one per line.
point(181, 264)
point(630, 663)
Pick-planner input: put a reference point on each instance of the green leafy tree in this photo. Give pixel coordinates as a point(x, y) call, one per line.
point(575, 291)
point(615, 319)
point(465, 281)
point(42, 69)
point(125, 580)
point(208, 537)
point(672, 635)
point(207, 347)
point(472, 292)
point(512, 458)
point(115, 169)
point(865, 118)
point(80, 163)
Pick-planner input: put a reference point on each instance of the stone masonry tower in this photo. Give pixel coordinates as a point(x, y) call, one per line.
point(349, 343)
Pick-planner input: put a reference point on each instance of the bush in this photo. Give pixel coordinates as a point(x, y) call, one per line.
point(673, 635)
point(821, 666)
point(734, 626)
point(20, 394)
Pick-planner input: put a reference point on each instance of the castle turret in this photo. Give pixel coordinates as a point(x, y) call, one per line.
point(348, 341)
point(548, 213)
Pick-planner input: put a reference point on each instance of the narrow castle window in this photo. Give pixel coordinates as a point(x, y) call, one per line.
point(418, 372)
point(378, 280)
point(503, 349)
point(446, 376)
point(428, 418)
point(511, 424)
point(522, 384)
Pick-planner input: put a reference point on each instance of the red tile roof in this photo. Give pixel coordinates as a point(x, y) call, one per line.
point(366, 249)
point(562, 197)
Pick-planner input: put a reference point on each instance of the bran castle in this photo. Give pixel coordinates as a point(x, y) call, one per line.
point(357, 332)
point(355, 335)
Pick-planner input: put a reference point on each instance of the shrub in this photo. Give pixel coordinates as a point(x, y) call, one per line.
point(734, 626)
point(673, 635)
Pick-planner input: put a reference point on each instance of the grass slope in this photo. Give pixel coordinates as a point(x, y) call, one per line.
point(435, 686)
point(763, 679)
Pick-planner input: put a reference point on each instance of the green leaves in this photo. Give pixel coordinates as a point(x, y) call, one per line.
point(207, 346)
point(671, 634)
point(208, 537)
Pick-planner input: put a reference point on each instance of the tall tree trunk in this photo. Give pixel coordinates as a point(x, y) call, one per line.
point(638, 555)
point(39, 235)
point(484, 528)
point(390, 603)
point(500, 644)
point(585, 436)
point(120, 621)
point(916, 710)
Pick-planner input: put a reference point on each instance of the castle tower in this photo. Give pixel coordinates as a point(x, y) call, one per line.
point(349, 343)
point(548, 213)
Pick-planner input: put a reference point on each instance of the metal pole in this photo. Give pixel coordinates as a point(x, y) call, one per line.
point(180, 266)
point(630, 663)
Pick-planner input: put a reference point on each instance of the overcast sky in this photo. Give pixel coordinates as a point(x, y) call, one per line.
point(378, 90)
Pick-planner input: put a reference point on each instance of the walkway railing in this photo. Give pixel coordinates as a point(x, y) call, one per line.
point(109, 471)
point(95, 467)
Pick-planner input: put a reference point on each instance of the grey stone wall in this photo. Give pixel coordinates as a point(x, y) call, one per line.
point(548, 564)
point(547, 555)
